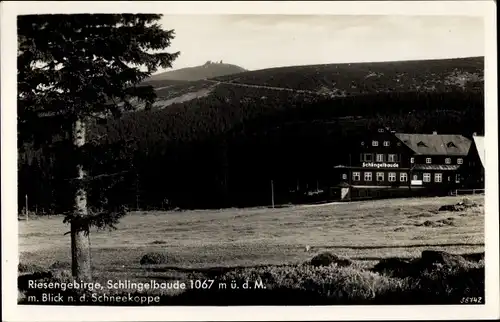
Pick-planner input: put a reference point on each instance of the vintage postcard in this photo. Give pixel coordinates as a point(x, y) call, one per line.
point(249, 160)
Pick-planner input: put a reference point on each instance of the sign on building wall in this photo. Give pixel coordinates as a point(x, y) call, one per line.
point(380, 165)
point(416, 182)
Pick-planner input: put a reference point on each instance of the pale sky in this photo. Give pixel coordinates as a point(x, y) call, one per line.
point(264, 41)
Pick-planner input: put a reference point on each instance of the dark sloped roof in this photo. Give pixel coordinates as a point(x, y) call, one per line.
point(436, 144)
point(443, 167)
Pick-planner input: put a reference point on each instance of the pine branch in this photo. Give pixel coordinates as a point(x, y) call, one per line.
point(93, 54)
point(100, 176)
point(86, 67)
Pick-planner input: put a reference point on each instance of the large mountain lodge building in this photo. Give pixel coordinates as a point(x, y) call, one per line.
point(387, 163)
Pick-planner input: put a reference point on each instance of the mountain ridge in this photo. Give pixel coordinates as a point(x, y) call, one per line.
point(208, 70)
point(336, 80)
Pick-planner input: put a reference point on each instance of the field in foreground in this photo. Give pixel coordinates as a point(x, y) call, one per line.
point(367, 230)
point(192, 242)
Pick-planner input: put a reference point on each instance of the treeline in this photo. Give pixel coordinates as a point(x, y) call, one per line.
point(224, 149)
point(372, 77)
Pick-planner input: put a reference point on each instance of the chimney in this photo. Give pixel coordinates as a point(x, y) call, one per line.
point(434, 132)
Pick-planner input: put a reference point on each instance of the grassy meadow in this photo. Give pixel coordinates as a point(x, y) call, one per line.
point(198, 242)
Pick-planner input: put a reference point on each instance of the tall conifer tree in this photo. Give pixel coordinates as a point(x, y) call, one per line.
point(73, 69)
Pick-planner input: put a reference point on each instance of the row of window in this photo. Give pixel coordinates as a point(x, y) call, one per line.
point(388, 143)
point(447, 160)
point(368, 157)
point(385, 143)
point(375, 143)
point(391, 176)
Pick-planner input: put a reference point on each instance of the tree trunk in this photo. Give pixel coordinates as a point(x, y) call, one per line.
point(80, 238)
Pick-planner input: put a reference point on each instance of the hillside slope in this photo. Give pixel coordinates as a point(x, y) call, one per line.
point(337, 80)
point(208, 70)
point(360, 78)
point(220, 141)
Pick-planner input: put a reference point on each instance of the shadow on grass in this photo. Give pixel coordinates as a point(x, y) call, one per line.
point(436, 278)
point(398, 246)
point(423, 292)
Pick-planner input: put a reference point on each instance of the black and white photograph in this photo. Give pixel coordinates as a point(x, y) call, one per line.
point(168, 157)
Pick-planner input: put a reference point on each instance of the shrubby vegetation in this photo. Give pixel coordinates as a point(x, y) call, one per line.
point(153, 259)
point(304, 284)
point(327, 258)
point(361, 78)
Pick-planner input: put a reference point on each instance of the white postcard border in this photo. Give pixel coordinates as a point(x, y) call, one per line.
point(14, 312)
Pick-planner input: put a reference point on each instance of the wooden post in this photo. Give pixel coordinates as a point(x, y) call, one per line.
point(26, 207)
point(272, 193)
point(137, 190)
point(349, 174)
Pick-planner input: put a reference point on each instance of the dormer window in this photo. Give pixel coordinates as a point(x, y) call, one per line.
point(447, 160)
point(387, 143)
point(428, 160)
point(460, 161)
point(380, 130)
point(421, 144)
point(451, 145)
point(412, 160)
point(374, 143)
point(362, 143)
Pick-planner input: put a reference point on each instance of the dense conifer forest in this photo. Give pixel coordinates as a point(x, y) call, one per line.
point(223, 149)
